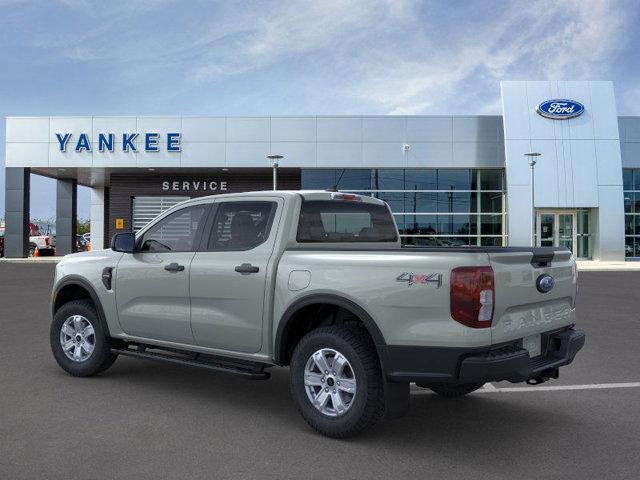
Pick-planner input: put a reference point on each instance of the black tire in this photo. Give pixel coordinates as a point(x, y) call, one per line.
point(32, 249)
point(452, 390)
point(368, 403)
point(100, 359)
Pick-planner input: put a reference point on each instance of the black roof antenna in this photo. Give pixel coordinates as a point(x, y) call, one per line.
point(334, 188)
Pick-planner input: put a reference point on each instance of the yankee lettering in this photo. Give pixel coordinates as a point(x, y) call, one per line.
point(106, 142)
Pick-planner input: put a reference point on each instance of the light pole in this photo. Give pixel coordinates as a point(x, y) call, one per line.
point(274, 163)
point(532, 163)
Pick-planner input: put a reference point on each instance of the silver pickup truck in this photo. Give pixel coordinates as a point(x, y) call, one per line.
point(319, 282)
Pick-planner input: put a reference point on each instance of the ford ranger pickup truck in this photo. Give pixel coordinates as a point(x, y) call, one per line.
point(319, 282)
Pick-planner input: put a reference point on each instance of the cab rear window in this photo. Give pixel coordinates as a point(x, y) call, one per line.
point(345, 221)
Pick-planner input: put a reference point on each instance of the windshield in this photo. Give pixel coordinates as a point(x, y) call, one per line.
point(345, 221)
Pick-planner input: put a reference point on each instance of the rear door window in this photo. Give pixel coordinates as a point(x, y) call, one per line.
point(241, 225)
point(345, 221)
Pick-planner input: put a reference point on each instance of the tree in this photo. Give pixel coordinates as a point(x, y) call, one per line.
point(84, 226)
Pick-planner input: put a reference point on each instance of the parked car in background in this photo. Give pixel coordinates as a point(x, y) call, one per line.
point(46, 244)
point(1, 241)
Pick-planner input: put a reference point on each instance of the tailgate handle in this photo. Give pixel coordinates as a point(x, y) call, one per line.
point(541, 258)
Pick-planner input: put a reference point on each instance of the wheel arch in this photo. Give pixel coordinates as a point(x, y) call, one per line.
point(75, 287)
point(290, 318)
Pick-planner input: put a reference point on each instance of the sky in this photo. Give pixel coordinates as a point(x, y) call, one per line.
point(162, 57)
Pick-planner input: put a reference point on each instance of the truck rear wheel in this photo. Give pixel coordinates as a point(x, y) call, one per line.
point(336, 381)
point(452, 390)
point(78, 340)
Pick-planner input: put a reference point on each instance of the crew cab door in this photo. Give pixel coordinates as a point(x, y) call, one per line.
point(152, 284)
point(228, 275)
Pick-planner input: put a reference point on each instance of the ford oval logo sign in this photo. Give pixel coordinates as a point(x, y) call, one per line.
point(560, 109)
point(545, 283)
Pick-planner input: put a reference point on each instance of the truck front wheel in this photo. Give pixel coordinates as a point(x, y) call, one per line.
point(78, 340)
point(336, 381)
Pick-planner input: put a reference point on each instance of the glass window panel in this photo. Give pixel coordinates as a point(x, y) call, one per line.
point(490, 202)
point(491, 224)
point(439, 241)
point(457, 241)
point(583, 221)
point(421, 224)
point(457, 224)
point(317, 179)
point(421, 202)
point(399, 219)
point(627, 178)
point(629, 250)
point(636, 202)
point(387, 179)
point(629, 224)
point(628, 202)
point(454, 179)
point(353, 179)
point(636, 179)
point(491, 241)
point(421, 179)
point(491, 179)
point(421, 241)
point(456, 202)
point(636, 228)
point(394, 199)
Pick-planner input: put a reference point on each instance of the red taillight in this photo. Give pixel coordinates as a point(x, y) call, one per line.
point(472, 294)
point(46, 241)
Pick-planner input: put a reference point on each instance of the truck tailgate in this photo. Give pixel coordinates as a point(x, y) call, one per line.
point(521, 309)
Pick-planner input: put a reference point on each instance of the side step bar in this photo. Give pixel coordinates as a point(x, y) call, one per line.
point(250, 370)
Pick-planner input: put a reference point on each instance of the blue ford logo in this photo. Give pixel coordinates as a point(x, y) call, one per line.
point(560, 109)
point(544, 283)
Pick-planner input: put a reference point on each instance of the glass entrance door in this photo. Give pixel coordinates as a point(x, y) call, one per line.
point(564, 228)
point(546, 229)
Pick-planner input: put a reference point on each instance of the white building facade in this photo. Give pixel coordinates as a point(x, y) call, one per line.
point(450, 180)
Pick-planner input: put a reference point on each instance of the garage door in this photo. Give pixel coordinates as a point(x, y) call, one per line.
point(146, 209)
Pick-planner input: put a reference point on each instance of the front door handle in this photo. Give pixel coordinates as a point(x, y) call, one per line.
point(247, 268)
point(174, 267)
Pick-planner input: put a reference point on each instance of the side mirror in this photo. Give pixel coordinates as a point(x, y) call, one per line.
point(124, 242)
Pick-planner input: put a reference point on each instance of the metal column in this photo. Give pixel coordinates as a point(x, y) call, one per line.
point(66, 215)
point(16, 235)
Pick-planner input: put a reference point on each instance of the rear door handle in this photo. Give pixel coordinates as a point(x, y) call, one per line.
point(174, 267)
point(247, 268)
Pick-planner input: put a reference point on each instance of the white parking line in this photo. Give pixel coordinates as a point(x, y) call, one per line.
point(490, 388)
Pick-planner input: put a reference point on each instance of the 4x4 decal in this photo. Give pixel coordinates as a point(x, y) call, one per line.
point(420, 278)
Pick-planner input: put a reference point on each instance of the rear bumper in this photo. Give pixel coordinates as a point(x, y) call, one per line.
point(487, 364)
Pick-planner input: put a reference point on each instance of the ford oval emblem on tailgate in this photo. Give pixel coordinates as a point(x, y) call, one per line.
point(544, 283)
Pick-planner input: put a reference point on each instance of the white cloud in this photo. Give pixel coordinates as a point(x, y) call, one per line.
point(393, 56)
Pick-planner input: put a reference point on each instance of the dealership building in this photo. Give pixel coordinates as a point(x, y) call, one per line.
point(449, 180)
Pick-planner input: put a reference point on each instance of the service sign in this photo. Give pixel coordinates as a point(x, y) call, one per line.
point(560, 109)
point(106, 142)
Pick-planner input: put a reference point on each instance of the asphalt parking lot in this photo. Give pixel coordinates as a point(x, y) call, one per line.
point(148, 420)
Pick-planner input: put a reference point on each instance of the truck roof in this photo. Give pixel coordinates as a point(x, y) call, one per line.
point(306, 194)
